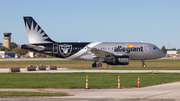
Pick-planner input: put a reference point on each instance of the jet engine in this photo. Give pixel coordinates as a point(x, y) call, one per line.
point(119, 60)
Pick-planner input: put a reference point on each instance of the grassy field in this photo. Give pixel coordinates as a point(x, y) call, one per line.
point(158, 64)
point(77, 80)
point(27, 94)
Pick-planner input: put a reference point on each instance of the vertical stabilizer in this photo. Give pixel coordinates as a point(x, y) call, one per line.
point(36, 35)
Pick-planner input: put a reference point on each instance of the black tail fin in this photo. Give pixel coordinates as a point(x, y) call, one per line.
point(35, 33)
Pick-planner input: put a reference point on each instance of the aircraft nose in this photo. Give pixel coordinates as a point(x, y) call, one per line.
point(162, 53)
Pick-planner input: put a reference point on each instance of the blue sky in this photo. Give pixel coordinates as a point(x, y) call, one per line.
point(151, 21)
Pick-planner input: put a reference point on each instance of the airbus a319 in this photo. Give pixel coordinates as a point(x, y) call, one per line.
point(111, 53)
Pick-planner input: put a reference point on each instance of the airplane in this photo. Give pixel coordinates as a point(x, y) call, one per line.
point(111, 53)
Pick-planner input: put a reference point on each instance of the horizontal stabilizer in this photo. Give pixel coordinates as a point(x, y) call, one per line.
point(38, 48)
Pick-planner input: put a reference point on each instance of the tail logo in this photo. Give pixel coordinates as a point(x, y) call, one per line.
point(35, 33)
point(65, 50)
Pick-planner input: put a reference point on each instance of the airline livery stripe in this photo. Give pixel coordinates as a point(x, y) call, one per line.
point(82, 51)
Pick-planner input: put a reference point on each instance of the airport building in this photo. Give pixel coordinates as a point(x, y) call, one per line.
point(7, 40)
point(172, 53)
point(7, 43)
point(6, 54)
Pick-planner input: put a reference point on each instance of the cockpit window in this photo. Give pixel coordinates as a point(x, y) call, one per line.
point(155, 48)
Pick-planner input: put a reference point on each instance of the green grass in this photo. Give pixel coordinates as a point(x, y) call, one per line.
point(39, 62)
point(77, 80)
point(157, 64)
point(15, 94)
point(82, 62)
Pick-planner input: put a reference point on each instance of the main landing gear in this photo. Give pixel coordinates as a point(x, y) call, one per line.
point(99, 64)
point(96, 65)
point(143, 63)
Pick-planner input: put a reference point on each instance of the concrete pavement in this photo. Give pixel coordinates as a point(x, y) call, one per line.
point(164, 92)
point(65, 70)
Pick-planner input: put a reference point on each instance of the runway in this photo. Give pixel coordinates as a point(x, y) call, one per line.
point(65, 70)
point(164, 92)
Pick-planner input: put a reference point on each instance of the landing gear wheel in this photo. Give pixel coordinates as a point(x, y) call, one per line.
point(94, 65)
point(143, 65)
point(99, 65)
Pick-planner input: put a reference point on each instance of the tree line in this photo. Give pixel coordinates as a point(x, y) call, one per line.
point(14, 47)
point(165, 50)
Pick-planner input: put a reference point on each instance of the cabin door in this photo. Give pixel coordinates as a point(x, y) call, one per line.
point(55, 48)
point(145, 48)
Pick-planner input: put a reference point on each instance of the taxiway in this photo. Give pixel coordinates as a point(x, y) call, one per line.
point(163, 92)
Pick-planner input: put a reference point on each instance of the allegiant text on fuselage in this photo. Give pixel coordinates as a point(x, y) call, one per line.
point(128, 49)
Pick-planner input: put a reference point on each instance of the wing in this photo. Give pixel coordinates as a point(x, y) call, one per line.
point(101, 53)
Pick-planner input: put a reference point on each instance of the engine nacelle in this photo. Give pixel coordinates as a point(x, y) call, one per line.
point(119, 60)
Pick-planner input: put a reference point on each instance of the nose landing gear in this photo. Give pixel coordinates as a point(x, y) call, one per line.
point(143, 63)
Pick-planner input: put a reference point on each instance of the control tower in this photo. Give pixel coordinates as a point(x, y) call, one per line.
point(7, 40)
